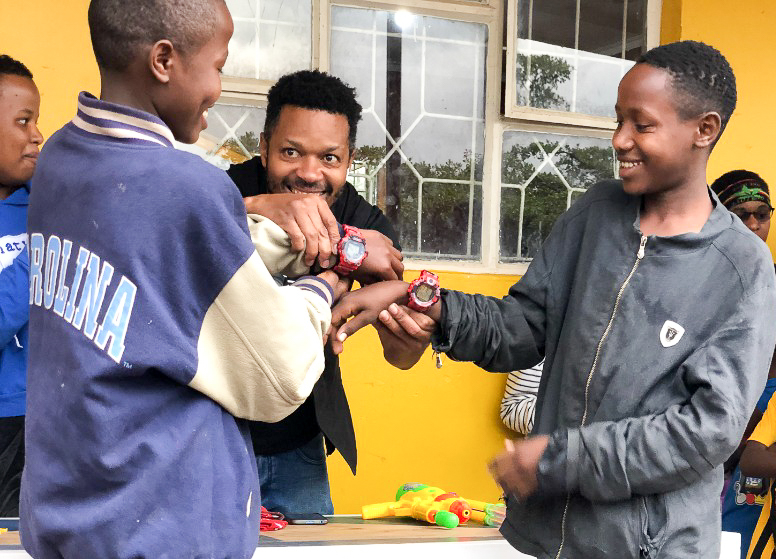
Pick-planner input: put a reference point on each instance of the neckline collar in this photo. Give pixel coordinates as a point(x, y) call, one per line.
point(719, 220)
point(19, 197)
point(120, 123)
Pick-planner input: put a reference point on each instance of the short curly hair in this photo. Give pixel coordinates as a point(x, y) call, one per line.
point(701, 76)
point(12, 67)
point(319, 91)
point(120, 29)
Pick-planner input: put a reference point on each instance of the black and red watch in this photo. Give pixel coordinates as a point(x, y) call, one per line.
point(423, 291)
point(351, 250)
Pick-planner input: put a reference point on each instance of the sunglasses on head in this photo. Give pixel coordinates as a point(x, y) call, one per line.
point(761, 214)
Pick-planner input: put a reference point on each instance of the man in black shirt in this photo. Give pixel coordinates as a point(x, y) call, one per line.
point(299, 181)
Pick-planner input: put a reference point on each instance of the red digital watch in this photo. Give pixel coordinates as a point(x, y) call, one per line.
point(351, 250)
point(423, 291)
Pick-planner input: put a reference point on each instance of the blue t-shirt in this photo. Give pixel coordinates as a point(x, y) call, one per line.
point(14, 307)
point(738, 514)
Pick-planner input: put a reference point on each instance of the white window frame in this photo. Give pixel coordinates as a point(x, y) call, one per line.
point(513, 110)
point(491, 14)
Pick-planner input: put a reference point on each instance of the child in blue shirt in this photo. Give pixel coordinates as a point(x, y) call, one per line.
point(19, 141)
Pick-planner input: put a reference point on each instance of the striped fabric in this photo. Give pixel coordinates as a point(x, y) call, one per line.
point(519, 401)
point(118, 121)
point(318, 286)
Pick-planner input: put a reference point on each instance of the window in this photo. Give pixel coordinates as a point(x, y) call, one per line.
point(541, 176)
point(471, 146)
point(569, 55)
point(232, 133)
point(271, 38)
point(564, 61)
point(421, 81)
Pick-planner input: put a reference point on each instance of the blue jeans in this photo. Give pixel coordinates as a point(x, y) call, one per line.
point(296, 481)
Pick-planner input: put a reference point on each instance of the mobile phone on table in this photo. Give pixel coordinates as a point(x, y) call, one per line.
point(306, 518)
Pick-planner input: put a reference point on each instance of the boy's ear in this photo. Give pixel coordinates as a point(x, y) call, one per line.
point(263, 146)
point(709, 129)
point(160, 60)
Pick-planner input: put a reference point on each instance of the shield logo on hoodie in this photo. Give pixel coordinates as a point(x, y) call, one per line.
point(670, 333)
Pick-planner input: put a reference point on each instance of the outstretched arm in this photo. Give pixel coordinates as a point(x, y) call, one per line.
point(292, 231)
point(364, 306)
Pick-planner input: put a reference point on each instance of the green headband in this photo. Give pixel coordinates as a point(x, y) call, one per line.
point(742, 191)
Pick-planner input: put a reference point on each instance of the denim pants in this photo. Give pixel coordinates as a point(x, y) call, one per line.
point(296, 481)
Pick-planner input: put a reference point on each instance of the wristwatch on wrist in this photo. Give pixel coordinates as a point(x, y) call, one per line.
point(423, 291)
point(351, 250)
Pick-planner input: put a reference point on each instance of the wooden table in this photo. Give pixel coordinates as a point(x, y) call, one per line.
point(350, 537)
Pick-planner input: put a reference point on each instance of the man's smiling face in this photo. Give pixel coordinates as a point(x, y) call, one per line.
point(307, 152)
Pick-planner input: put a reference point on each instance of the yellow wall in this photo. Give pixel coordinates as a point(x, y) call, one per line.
point(743, 32)
point(436, 426)
point(51, 38)
point(671, 21)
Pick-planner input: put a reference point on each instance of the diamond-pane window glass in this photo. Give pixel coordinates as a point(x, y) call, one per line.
point(271, 38)
point(232, 134)
point(571, 54)
point(541, 176)
point(421, 81)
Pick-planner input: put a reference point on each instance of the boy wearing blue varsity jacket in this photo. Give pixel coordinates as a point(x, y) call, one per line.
point(154, 319)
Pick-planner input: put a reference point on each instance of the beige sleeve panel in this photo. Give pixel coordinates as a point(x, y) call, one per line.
point(260, 348)
point(274, 246)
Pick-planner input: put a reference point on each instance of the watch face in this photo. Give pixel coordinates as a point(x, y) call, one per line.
point(424, 292)
point(353, 250)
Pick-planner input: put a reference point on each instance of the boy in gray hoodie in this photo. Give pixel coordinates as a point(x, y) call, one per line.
point(647, 300)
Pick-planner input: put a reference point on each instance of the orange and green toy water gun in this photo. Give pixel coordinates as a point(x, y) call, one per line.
point(434, 505)
point(490, 514)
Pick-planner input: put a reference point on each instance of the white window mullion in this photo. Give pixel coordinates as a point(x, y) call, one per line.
point(493, 130)
point(324, 37)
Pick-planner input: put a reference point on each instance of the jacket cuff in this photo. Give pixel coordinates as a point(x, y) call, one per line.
point(318, 286)
point(556, 474)
point(446, 328)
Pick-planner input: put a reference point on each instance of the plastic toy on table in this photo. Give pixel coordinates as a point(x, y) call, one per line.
point(436, 506)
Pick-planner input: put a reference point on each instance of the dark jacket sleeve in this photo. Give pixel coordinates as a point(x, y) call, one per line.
point(502, 335)
point(613, 460)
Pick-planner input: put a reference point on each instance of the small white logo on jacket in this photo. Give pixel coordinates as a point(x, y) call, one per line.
point(670, 333)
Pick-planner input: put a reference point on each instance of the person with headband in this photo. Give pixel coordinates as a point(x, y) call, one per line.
point(746, 194)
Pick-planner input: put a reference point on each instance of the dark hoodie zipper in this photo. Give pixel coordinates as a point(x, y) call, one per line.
point(639, 256)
